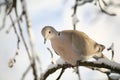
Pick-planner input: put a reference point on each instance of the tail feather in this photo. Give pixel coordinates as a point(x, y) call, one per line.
point(101, 47)
point(100, 55)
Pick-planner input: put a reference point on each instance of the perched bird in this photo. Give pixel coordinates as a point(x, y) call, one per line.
point(72, 45)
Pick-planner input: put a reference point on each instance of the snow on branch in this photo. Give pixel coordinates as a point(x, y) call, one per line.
point(101, 63)
point(102, 4)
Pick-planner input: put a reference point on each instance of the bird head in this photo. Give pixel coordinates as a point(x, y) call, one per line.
point(48, 32)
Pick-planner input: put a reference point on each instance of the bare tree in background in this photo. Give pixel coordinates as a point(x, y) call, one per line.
point(10, 6)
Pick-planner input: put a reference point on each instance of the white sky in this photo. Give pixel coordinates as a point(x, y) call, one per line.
point(100, 27)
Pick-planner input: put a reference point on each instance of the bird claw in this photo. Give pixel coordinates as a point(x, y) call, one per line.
point(70, 65)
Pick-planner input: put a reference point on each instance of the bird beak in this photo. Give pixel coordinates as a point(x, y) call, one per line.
point(44, 40)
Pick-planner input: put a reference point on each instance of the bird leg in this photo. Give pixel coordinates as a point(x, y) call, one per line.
point(70, 65)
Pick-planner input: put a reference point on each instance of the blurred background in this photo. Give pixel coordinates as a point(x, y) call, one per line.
point(102, 28)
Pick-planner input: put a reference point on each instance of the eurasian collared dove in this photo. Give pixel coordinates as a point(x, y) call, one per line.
point(72, 45)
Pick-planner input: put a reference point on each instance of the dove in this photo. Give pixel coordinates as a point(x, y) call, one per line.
point(72, 45)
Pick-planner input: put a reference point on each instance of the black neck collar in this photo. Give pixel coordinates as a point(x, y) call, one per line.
point(58, 33)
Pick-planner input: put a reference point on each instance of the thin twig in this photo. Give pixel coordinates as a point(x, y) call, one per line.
point(4, 20)
point(4, 3)
point(30, 34)
point(13, 60)
point(22, 36)
point(13, 6)
point(39, 61)
point(8, 6)
point(19, 18)
point(112, 50)
point(52, 61)
point(18, 38)
point(75, 7)
point(83, 2)
point(104, 11)
point(62, 71)
point(104, 3)
point(74, 21)
point(26, 71)
point(74, 15)
point(78, 73)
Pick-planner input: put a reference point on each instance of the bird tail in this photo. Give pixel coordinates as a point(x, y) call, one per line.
point(101, 47)
point(100, 55)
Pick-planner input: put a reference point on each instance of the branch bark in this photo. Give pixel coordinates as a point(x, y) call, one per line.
point(101, 63)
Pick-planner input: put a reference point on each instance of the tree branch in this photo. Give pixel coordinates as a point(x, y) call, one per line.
point(104, 11)
point(62, 71)
point(31, 39)
point(101, 63)
point(52, 60)
point(26, 71)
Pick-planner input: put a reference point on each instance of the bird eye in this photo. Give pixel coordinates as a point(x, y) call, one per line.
point(49, 32)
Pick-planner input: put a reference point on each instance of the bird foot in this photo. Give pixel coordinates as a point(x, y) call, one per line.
point(70, 65)
point(78, 62)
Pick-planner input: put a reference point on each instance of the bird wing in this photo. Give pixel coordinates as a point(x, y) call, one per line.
point(84, 45)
